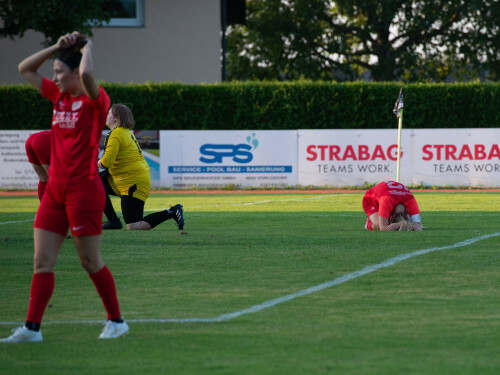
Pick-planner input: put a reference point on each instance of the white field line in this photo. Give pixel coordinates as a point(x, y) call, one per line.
point(226, 203)
point(339, 280)
point(15, 222)
point(231, 204)
point(278, 200)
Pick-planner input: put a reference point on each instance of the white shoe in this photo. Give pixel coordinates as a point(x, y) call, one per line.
point(113, 330)
point(23, 334)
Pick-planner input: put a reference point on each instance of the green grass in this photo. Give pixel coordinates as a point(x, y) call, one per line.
point(436, 313)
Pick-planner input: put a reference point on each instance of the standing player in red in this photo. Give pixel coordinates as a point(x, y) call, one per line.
point(38, 151)
point(74, 197)
point(389, 205)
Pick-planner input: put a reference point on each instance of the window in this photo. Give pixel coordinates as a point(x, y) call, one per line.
point(125, 13)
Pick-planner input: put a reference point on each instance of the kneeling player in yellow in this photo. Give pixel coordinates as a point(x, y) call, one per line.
point(127, 176)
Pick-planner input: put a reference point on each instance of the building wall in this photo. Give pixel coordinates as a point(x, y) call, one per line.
point(179, 42)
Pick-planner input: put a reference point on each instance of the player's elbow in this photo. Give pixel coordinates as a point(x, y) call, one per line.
point(24, 69)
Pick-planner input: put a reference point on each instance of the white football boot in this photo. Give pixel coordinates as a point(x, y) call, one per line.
point(23, 334)
point(113, 330)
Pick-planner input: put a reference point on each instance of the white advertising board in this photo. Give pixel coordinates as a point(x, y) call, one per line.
point(351, 157)
point(456, 157)
point(260, 158)
point(16, 171)
point(323, 158)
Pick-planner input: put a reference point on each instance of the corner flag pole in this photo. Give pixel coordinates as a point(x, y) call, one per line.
point(398, 111)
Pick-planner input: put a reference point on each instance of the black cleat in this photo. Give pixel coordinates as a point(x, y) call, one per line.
point(113, 224)
point(178, 215)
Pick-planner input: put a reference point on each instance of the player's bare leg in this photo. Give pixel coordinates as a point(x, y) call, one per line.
point(374, 218)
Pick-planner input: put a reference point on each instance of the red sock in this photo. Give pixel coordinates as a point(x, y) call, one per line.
point(42, 287)
point(41, 189)
point(369, 224)
point(105, 285)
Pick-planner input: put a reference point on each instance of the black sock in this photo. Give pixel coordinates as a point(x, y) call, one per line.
point(119, 320)
point(109, 211)
point(32, 326)
point(158, 218)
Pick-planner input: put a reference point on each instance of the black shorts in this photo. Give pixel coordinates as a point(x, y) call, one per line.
point(132, 208)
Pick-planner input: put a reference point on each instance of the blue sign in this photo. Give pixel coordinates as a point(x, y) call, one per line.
point(216, 153)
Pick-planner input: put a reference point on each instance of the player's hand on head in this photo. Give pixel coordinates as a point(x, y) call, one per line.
point(393, 226)
point(66, 41)
point(84, 43)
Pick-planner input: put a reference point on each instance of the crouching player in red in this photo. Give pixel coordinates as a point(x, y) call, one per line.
point(74, 197)
point(390, 205)
point(38, 151)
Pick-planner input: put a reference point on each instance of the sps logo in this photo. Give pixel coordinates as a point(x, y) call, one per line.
point(240, 153)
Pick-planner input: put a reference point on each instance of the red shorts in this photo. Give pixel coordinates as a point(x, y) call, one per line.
point(370, 206)
point(78, 206)
point(38, 148)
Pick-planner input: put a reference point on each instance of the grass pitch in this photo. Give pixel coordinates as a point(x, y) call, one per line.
point(436, 313)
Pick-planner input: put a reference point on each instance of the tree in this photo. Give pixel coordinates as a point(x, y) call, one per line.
point(385, 40)
point(52, 18)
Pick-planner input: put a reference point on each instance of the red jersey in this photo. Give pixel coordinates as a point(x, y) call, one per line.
point(388, 194)
point(77, 124)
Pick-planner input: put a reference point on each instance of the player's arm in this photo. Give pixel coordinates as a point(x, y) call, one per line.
point(416, 223)
point(384, 224)
point(385, 208)
point(30, 65)
point(86, 71)
point(411, 226)
point(110, 152)
point(380, 223)
point(417, 227)
point(415, 219)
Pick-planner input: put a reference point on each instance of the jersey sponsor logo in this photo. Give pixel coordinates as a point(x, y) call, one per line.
point(65, 120)
point(399, 192)
point(76, 105)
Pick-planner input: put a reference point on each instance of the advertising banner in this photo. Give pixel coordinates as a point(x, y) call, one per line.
point(321, 158)
point(456, 157)
point(264, 158)
point(16, 171)
point(351, 157)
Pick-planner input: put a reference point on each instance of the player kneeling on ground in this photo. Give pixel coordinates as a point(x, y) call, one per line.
point(390, 205)
point(127, 176)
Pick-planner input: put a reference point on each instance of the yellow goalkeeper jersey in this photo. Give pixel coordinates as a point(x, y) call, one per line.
point(123, 156)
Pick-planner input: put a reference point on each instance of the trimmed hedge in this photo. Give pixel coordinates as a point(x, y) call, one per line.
point(276, 105)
